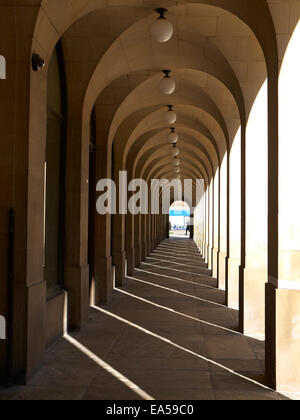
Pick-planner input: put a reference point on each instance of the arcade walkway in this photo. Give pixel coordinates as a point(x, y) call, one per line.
point(166, 336)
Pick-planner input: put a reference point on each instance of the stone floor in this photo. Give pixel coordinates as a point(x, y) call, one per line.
point(167, 336)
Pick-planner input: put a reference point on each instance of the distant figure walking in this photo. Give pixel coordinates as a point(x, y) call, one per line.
point(187, 230)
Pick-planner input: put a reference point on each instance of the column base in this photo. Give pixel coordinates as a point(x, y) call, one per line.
point(138, 256)
point(283, 339)
point(241, 299)
point(55, 313)
point(200, 246)
point(119, 261)
point(149, 248)
point(192, 233)
point(103, 281)
point(222, 271)
point(203, 248)
point(204, 251)
point(215, 263)
point(233, 286)
point(29, 337)
point(130, 255)
point(209, 257)
point(252, 302)
point(144, 252)
point(77, 284)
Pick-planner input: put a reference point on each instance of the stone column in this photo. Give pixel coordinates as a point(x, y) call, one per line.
point(167, 227)
point(157, 240)
point(24, 191)
point(283, 288)
point(235, 216)
point(130, 250)
point(282, 338)
point(192, 227)
point(163, 227)
point(149, 234)
point(103, 258)
point(216, 248)
point(223, 226)
point(119, 255)
point(77, 199)
point(137, 240)
point(144, 236)
point(153, 231)
point(254, 243)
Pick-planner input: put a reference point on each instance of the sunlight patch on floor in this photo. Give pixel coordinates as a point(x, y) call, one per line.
point(165, 340)
point(132, 386)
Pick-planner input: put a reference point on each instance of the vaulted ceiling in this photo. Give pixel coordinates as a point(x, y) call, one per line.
point(219, 57)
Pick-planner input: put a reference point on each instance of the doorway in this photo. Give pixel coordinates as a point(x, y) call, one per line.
point(180, 220)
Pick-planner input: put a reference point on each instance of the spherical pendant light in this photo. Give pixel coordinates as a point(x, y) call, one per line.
point(176, 162)
point(162, 30)
point(167, 85)
point(170, 116)
point(173, 137)
point(175, 151)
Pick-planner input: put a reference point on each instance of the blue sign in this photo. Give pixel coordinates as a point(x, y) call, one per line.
point(180, 213)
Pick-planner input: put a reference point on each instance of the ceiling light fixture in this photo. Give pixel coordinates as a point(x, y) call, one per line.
point(162, 30)
point(170, 116)
point(167, 85)
point(176, 162)
point(173, 137)
point(175, 151)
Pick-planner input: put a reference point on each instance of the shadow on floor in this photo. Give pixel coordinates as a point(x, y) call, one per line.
point(166, 336)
